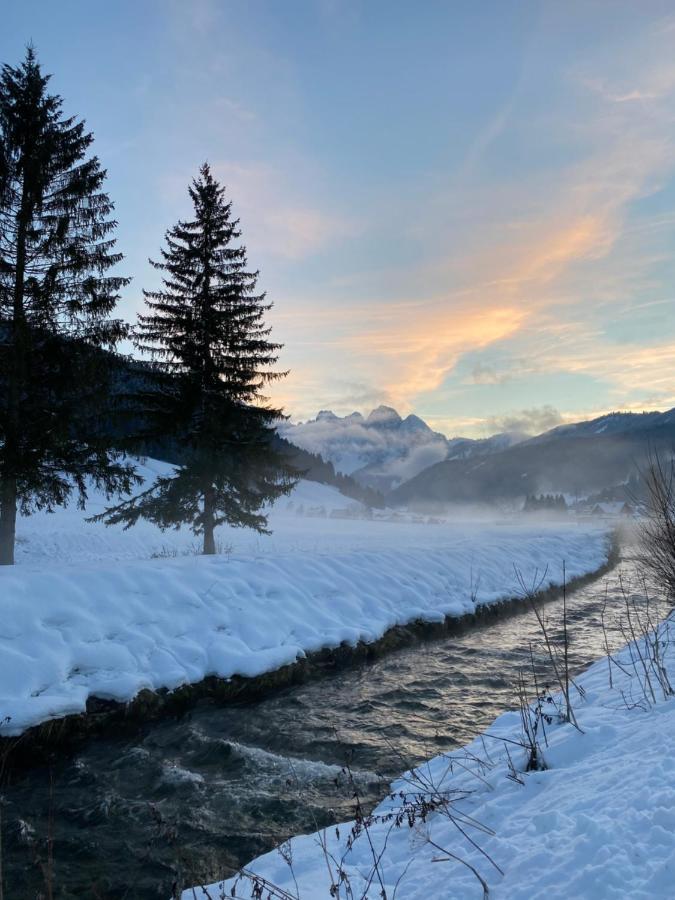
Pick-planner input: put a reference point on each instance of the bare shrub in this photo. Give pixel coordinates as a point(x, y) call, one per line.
point(648, 640)
point(411, 808)
point(193, 549)
point(556, 651)
point(657, 528)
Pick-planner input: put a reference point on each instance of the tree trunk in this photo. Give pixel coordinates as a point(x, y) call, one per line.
point(209, 515)
point(15, 381)
point(7, 521)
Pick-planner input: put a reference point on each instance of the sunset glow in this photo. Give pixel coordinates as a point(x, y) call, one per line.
point(475, 237)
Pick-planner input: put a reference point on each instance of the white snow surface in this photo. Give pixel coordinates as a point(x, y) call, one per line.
point(597, 824)
point(88, 612)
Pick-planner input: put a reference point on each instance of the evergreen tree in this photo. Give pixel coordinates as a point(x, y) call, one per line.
point(55, 303)
point(206, 332)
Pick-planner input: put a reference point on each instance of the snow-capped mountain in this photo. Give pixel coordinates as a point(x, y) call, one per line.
point(382, 449)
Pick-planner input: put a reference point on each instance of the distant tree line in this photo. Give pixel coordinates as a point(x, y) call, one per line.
point(71, 407)
point(545, 502)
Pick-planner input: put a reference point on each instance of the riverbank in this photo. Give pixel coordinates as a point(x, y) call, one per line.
point(597, 821)
point(233, 781)
point(43, 742)
point(89, 626)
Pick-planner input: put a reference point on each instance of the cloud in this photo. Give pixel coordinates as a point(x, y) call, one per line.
point(306, 391)
point(526, 421)
point(419, 343)
point(231, 107)
point(276, 218)
point(482, 374)
point(527, 245)
point(411, 346)
point(649, 369)
point(418, 459)
point(557, 244)
point(634, 95)
point(199, 17)
point(351, 395)
point(526, 279)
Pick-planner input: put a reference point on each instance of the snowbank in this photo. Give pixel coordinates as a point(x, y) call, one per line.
point(598, 823)
point(86, 612)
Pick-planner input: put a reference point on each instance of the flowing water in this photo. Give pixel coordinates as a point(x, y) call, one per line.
point(198, 797)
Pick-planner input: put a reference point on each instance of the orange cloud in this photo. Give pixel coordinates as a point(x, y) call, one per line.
point(421, 346)
point(408, 347)
point(543, 252)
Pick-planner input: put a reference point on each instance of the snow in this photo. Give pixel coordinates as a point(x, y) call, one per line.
point(597, 824)
point(96, 611)
point(64, 537)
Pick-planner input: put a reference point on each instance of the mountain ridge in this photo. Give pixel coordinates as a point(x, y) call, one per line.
point(381, 450)
point(576, 459)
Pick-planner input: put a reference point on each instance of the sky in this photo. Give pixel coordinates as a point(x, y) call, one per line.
point(463, 210)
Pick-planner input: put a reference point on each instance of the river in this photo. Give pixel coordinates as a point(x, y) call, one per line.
point(195, 798)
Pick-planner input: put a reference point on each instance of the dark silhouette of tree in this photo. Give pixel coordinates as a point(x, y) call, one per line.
point(206, 332)
point(545, 502)
point(55, 305)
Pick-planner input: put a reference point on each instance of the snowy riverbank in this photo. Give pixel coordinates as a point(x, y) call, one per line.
point(88, 612)
point(597, 823)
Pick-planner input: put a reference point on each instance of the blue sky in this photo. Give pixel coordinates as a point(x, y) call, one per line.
point(462, 209)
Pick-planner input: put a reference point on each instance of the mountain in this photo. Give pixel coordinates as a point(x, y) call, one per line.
point(382, 450)
point(379, 450)
point(617, 423)
point(578, 460)
point(466, 448)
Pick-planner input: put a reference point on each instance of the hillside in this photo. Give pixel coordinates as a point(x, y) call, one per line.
point(577, 460)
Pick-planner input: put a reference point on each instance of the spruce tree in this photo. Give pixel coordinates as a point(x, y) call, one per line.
point(56, 333)
point(205, 331)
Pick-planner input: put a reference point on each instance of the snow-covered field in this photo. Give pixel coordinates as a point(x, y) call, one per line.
point(90, 610)
point(597, 824)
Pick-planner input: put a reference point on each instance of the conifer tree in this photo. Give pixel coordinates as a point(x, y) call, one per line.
point(55, 305)
point(206, 332)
